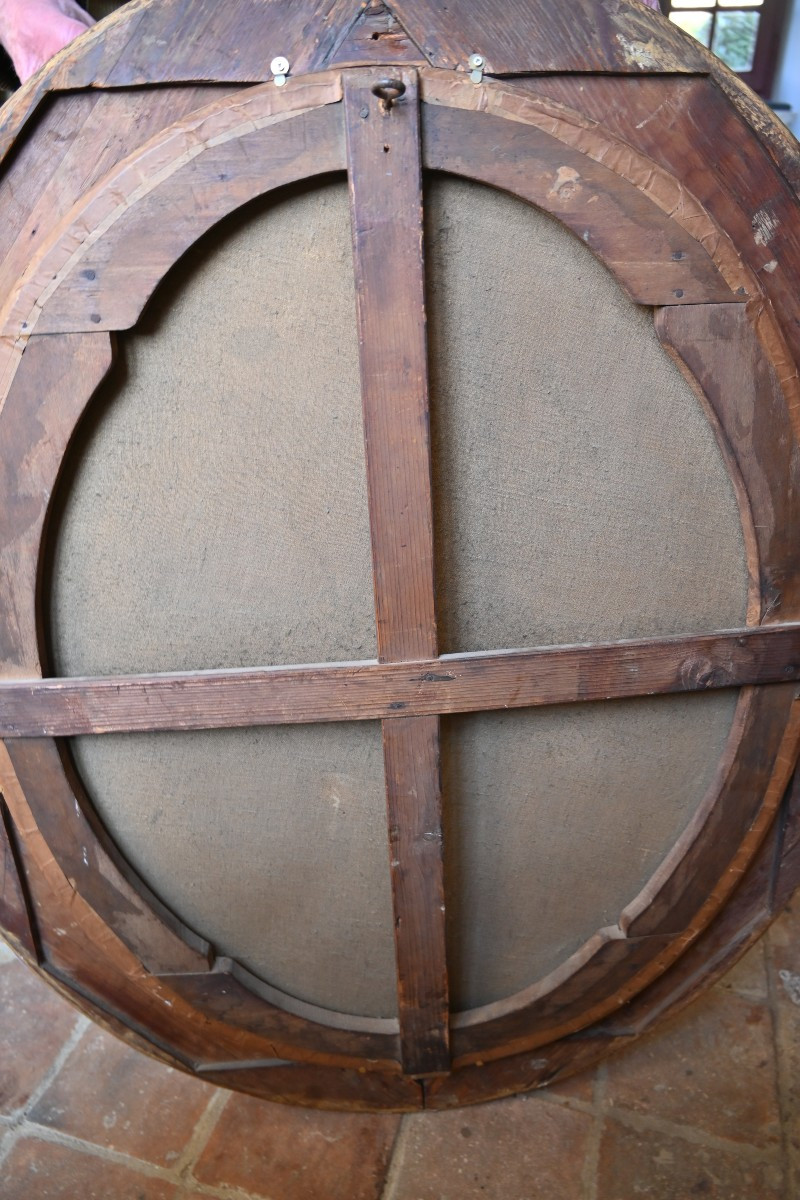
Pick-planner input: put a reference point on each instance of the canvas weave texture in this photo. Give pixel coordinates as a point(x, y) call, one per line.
point(215, 514)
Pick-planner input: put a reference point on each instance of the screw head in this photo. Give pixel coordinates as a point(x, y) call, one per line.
point(279, 66)
point(476, 61)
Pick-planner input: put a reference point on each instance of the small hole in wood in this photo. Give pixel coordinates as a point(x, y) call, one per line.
point(375, 37)
point(385, 149)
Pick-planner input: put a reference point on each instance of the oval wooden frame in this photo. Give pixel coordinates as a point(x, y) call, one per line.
point(667, 251)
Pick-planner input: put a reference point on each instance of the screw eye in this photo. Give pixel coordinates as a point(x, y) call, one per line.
point(388, 91)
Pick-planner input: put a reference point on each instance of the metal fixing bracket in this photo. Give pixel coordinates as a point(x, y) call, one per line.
point(280, 69)
point(477, 65)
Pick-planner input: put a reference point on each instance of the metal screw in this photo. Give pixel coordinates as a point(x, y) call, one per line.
point(280, 69)
point(476, 64)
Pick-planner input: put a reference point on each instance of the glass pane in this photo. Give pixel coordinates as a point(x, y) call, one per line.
point(735, 38)
point(693, 4)
point(732, 4)
point(698, 24)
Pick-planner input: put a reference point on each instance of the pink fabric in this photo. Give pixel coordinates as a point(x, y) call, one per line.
point(32, 31)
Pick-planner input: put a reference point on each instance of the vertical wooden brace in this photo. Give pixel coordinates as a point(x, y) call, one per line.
point(384, 164)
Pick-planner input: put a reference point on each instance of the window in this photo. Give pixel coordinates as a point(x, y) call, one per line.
point(746, 34)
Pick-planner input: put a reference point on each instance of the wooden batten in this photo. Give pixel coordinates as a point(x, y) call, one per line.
point(385, 172)
point(452, 683)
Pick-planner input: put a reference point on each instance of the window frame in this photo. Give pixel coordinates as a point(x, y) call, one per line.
point(774, 14)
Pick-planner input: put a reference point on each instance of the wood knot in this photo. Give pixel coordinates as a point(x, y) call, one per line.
point(696, 674)
point(565, 185)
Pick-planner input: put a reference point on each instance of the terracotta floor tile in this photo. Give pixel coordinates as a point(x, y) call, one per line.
point(577, 1087)
point(784, 944)
point(5, 1134)
point(298, 1154)
point(116, 1097)
point(784, 955)
point(511, 1150)
point(713, 1068)
point(34, 1024)
point(784, 936)
point(749, 976)
point(189, 1193)
point(38, 1170)
point(633, 1163)
point(6, 953)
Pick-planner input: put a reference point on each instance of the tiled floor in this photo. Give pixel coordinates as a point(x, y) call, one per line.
point(708, 1107)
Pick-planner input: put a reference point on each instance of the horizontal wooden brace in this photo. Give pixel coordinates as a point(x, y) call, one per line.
point(364, 691)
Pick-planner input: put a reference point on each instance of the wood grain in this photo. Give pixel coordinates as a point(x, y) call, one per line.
point(719, 349)
point(376, 37)
point(658, 242)
point(383, 150)
point(372, 691)
point(79, 139)
point(175, 41)
point(295, 1031)
point(385, 177)
point(750, 191)
point(355, 1090)
point(631, 45)
point(196, 41)
point(16, 918)
point(54, 381)
point(183, 42)
point(414, 802)
point(681, 895)
point(519, 36)
point(787, 869)
point(85, 953)
point(35, 771)
point(671, 191)
point(757, 900)
point(205, 166)
point(653, 257)
point(621, 961)
point(665, 166)
point(745, 917)
point(764, 890)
